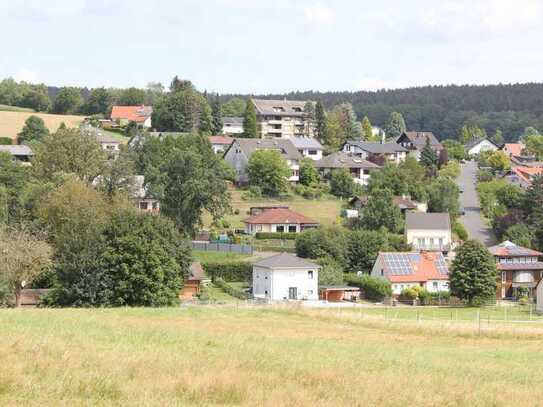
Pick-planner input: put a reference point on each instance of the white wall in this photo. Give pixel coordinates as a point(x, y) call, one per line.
point(278, 281)
point(305, 153)
point(413, 236)
point(484, 145)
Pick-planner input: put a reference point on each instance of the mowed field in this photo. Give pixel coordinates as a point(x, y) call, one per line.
point(12, 122)
point(259, 356)
point(325, 211)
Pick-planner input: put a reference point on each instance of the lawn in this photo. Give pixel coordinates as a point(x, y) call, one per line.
point(212, 256)
point(325, 211)
point(11, 122)
point(257, 356)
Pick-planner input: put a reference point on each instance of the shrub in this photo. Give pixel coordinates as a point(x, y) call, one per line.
point(276, 235)
point(460, 231)
point(409, 294)
point(231, 271)
point(236, 211)
point(254, 192)
point(373, 288)
point(5, 141)
point(425, 296)
point(227, 288)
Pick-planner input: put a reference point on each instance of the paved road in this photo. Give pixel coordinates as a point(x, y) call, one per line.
point(472, 221)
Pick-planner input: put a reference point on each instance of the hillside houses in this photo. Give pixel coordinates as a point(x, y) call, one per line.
point(477, 146)
point(414, 142)
point(308, 147)
point(141, 115)
point(376, 152)
point(359, 168)
point(278, 220)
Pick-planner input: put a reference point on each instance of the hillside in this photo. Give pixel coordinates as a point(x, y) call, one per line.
point(12, 122)
point(259, 357)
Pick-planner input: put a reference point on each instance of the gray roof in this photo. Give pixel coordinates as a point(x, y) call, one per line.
point(427, 221)
point(17, 150)
point(418, 138)
point(343, 160)
point(285, 260)
point(473, 143)
point(279, 107)
point(284, 146)
point(376, 147)
point(238, 121)
point(306, 142)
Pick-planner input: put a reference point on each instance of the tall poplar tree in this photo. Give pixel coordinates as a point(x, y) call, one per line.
point(367, 132)
point(249, 121)
point(320, 122)
point(217, 115)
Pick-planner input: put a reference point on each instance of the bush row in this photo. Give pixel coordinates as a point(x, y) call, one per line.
point(372, 288)
point(227, 288)
point(232, 271)
point(276, 235)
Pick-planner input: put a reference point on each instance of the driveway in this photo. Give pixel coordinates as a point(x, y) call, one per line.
point(472, 220)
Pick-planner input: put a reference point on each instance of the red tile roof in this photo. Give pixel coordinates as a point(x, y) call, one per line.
point(402, 267)
point(527, 173)
point(131, 113)
point(514, 149)
point(280, 215)
point(509, 249)
point(220, 140)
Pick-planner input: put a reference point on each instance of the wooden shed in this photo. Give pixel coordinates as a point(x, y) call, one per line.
point(338, 293)
point(192, 285)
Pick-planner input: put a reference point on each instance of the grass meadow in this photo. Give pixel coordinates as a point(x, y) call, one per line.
point(261, 356)
point(12, 122)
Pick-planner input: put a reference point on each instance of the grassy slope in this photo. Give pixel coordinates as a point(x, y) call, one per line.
point(325, 211)
point(12, 122)
point(211, 256)
point(7, 108)
point(275, 357)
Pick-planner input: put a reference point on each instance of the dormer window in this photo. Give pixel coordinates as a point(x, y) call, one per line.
point(297, 109)
point(278, 109)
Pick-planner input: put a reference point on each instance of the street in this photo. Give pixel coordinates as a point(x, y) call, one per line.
point(472, 220)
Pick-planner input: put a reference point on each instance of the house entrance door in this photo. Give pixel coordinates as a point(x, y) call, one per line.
point(292, 293)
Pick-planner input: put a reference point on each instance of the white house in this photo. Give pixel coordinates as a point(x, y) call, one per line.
point(278, 220)
point(220, 144)
point(475, 147)
point(376, 151)
point(428, 231)
point(359, 168)
point(405, 270)
point(241, 149)
point(308, 147)
point(232, 126)
point(285, 277)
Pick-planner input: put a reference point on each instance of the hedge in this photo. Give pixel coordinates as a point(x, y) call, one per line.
point(373, 288)
point(6, 141)
point(227, 288)
point(276, 235)
point(229, 271)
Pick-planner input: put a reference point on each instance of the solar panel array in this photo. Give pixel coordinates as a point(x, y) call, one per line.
point(399, 264)
point(441, 265)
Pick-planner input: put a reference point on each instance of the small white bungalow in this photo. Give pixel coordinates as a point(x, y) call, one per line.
point(475, 147)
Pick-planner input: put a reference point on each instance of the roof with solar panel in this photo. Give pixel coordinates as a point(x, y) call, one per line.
point(413, 267)
point(509, 249)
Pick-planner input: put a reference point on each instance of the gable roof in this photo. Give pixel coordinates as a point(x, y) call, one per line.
point(18, 150)
point(401, 267)
point(508, 248)
point(427, 221)
point(220, 140)
point(376, 147)
point(280, 215)
point(418, 139)
point(136, 114)
point(279, 107)
point(514, 149)
point(285, 260)
point(526, 174)
point(343, 160)
point(306, 142)
point(196, 271)
point(236, 121)
point(285, 147)
point(470, 144)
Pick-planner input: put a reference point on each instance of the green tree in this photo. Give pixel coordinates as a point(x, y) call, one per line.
point(117, 177)
point(469, 133)
point(428, 157)
point(520, 234)
point(269, 171)
point(534, 145)
point(395, 126)
point(330, 272)
point(443, 194)
point(320, 123)
point(363, 247)
point(68, 151)
point(499, 161)
point(37, 98)
point(205, 126)
point(34, 130)
point(309, 175)
point(217, 116)
point(530, 131)
point(235, 107)
point(497, 138)
point(132, 97)
point(249, 121)
point(380, 212)
point(350, 128)
point(99, 102)
point(473, 273)
point(341, 183)
point(367, 129)
point(68, 100)
point(327, 241)
point(455, 149)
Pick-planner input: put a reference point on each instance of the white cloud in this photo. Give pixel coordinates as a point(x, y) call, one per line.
point(319, 15)
point(26, 75)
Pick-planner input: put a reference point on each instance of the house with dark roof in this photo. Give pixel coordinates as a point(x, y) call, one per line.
point(137, 114)
point(429, 231)
point(477, 146)
point(410, 269)
point(285, 277)
point(376, 152)
point(359, 168)
point(519, 270)
point(414, 141)
point(308, 147)
point(282, 118)
point(232, 126)
point(278, 220)
point(241, 149)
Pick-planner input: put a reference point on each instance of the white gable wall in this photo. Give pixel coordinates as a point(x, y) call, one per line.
point(274, 284)
point(483, 145)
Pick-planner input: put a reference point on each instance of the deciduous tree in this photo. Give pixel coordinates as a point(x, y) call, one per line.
point(34, 130)
point(249, 121)
point(269, 171)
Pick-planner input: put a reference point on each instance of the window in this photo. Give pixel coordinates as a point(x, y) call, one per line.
point(297, 109)
point(259, 228)
point(266, 292)
point(278, 109)
point(312, 152)
point(431, 241)
point(504, 276)
point(310, 274)
point(143, 206)
point(155, 205)
point(292, 229)
point(366, 172)
point(276, 118)
point(277, 126)
point(382, 272)
point(434, 284)
point(279, 229)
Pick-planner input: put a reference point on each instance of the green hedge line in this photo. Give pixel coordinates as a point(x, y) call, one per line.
point(373, 288)
point(227, 288)
point(231, 271)
point(276, 235)
point(6, 141)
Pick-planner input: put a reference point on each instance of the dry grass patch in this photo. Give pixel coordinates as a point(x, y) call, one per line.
point(11, 123)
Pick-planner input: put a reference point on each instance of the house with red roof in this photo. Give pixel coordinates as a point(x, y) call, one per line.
point(137, 114)
point(220, 143)
point(278, 220)
point(519, 269)
point(523, 176)
point(411, 269)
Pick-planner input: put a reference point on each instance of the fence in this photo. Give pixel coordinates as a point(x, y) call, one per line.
point(222, 247)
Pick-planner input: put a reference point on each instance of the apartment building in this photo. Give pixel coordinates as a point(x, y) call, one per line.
point(282, 118)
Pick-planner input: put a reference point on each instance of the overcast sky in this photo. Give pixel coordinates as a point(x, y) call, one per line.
point(254, 46)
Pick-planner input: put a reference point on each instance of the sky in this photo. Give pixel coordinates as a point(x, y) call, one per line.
point(272, 46)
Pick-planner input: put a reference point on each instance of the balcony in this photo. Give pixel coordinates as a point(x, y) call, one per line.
point(432, 247)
